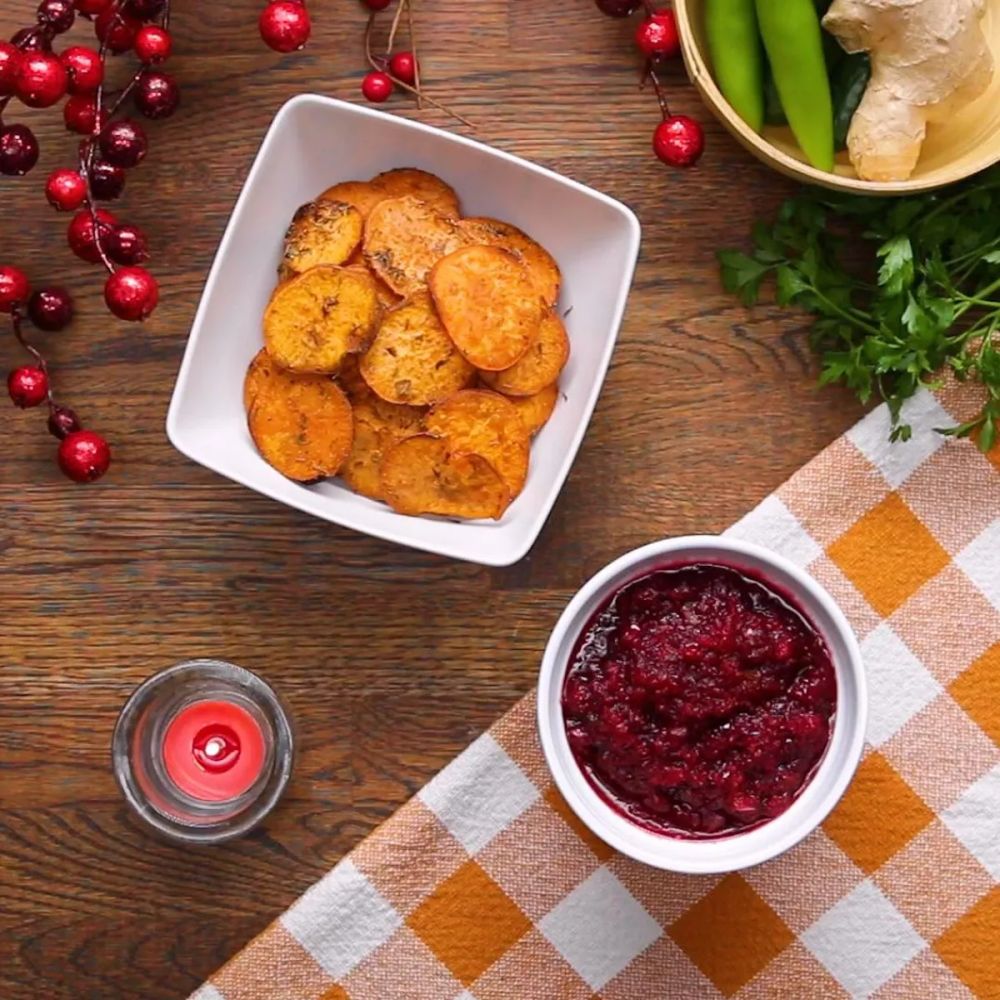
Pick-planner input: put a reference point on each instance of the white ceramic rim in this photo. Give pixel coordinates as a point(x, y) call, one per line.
point(826, 786)
point(458, 545)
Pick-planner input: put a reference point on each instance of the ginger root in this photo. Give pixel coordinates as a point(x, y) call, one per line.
point(929, 59)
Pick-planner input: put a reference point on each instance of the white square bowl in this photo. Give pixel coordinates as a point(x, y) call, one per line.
point(315, 142)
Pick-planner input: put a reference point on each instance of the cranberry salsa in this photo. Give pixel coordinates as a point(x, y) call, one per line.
point(699, 700)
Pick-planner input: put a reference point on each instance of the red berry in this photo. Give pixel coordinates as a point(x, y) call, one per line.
point(80, 234)
point(106, 180)
point(31, 39)
point(377, 4)
point(18, 149)
point(65, 190)
point(156, 94)
point(618, 8)
point(41, 79)
point(84, 69)
point(84, 456)
point(679, 141)
point(131, 293)
point(153, 44)
point(10, 59)
point(62, 422)
point(657, 35)
point(144, 10)
point(28, 386)
point(284, 25)
point(123, 143)
point(403, 66)
point(14, 287)
point(127, 245)
point(91, 8)
point(116, 29)
point(377, 87)
point(51, 308)
point(58, 15)
point(80, 114)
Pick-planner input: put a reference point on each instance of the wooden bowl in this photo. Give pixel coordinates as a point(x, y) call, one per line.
point(964, 145)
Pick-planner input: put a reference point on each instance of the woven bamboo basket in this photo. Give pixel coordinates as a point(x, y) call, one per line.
point(964, 145)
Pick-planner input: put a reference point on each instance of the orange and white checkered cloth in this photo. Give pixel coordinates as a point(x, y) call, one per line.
point(486, 886)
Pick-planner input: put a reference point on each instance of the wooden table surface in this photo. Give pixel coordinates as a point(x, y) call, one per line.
point(391, 660)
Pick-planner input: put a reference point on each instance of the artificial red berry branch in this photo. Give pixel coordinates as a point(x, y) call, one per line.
point(678, 140)
point(30, 71)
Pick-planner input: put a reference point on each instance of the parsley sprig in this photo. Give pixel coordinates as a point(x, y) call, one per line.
point(901, 289)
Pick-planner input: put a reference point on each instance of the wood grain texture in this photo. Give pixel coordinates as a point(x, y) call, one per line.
point(392, 661)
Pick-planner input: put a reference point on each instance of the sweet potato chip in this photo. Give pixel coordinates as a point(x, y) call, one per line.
point(410, 182)
point(405, 238)
point(259, 373)
point(487, 304)
point(541, 265)
point(422, 475)
point(536, 410)
point(539, 367)
point(484, 423)
point(412, 359)
point(321, 232)
point(378, 427)
point(387, 298)
point(313, 321)
point(303, 427)
point(363, 195)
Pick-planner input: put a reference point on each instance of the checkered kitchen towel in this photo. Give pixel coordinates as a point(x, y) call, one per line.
point(486, 886)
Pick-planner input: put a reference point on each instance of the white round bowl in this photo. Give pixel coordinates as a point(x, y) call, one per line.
point(820, 795)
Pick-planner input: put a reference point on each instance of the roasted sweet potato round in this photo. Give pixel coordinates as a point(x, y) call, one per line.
point(484, 423)
point(313, 321)
point(260, 371)
point(321, 232)
point(303, 427)
point(404, 238)
point(422, 475)
point(541, 265)
point(378, 427)
point(539, 367)
point(412, 359)
point(487, 304)
point(363, 195)
point(410, 182)
point(536, 410)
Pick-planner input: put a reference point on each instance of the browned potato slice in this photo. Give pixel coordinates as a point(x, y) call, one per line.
point(484, 423)
point(363, 195)
point(536, 410)
point(412, 359)
point(302, 426)
point(322, 232)
point(540, 367)
point(487, 304)
point(541, 265)
point(387, 298)
point(404, 239)
point(421, 475)
point(408, 181)
point(313, 321)
point(350, 380)
point(260, 372)
point(378, 427)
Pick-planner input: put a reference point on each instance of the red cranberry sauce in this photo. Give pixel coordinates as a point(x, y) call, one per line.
point(699, 701)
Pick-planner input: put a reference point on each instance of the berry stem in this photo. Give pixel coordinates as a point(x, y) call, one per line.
point(650, 74)
point(400, 7)
point(413, 48)
point(15, 323)
point(379, 66)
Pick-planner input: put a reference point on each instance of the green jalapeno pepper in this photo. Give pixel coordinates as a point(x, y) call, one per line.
point(737, 58)
point(793, 40)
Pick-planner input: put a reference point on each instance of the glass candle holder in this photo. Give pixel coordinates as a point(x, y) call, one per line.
point(202, 751)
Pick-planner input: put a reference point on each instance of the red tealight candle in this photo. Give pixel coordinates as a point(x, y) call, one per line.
point(213, 750)
point(202, 751)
